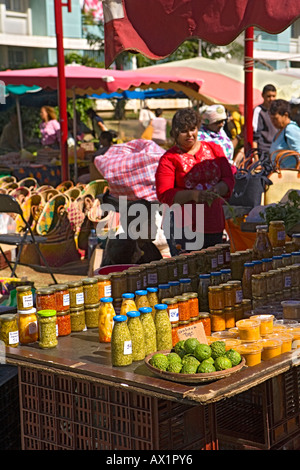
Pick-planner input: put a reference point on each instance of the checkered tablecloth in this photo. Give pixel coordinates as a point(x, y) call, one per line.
point(130, 168)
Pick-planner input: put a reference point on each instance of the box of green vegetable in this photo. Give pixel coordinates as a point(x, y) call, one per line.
point(287, 210)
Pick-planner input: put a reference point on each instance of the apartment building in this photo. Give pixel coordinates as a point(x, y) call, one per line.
point(27, 32)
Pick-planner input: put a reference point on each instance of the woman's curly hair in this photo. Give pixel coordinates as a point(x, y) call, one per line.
point(183, 120)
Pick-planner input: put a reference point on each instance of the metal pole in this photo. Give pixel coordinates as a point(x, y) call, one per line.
point(62, 95)
point(75, 138)
point(248, 93)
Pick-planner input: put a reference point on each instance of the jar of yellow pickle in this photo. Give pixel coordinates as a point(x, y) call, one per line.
point(141, 299)
point(28, 326)
point(271, 348)
point(215, 298)
point(248, 329)
point(251, 352)
point(9, 332)
point(128, 303)
point(277, 233)
point(106, 314)
point(266, 323)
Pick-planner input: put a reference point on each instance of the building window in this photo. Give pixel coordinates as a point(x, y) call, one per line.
point(16, 57)
point(16, 5)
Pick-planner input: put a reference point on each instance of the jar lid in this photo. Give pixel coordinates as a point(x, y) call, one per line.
point(23, 288)
point(203, 315)
point(274, 222)
point(225, 271)
point(47, 313)
point(141, 292)
point(106, 299)
point(103, 277)
point(133, 313)
point(145, 310)
point(277, 257)
point(169, 301)
point(90, 280)
point(128, 295)
point(120, 318)
point(27, 312)
point(185, 280)
point(152, 289)
point(215, 288)
point(118, 274)
point(248, 265)
point(88, 307)
point(257, 261)
point(163, 286)
point(180, 298)
point(7, 317)
point(75, 284)
point(204, 276)
point(160, 307)
point(286, 255)
point(190, 295)
point(174, 283)
point(295, 253)
point(266, 260)
point(215, 273)
point(296, 235)
point(61, 313)
point(59, 287)
point(45, 291)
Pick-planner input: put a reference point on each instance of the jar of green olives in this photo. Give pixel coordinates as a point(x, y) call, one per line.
point(47, 329)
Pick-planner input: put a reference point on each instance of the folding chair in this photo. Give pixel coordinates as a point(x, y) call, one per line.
point(8, 204)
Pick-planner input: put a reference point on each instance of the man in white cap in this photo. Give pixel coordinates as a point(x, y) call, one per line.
point(212, 129)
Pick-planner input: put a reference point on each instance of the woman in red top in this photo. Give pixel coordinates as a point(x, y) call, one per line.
point(191, 174)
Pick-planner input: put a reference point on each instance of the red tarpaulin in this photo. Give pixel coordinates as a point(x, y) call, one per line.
point(156, 28)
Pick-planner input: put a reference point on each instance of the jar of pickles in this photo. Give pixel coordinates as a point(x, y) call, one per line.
point(162, 271)
point(163, 328)
point(141, 299)
point(277, 262)
point(215, 298)
point(238, 290)
point(128, 303)
point(92, 313)
point(28, 326)
point(277, 233)
point(9, 332)
point(225, 275)
point(172, 269)
point(62, 297)
point(204, 283)
point(246, 281)
point(45, 299)
point(163, 291)
point(24, 297)
point(121, 345)
point(174, 287)
point(215, 278)
point(258, 285)
point(133, 280)
point(118, 284)
point(185, 285)
point(136, 331)
point(63, 323)
point(238, 312)
point(149, 329)
point(47, 329)
point(90, 291)
point(106, 314)
point(76, 294)
point(152, 296)
point(77, 317)
point(175, 337)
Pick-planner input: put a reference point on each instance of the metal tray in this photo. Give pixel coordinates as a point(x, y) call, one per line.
point(192, 378)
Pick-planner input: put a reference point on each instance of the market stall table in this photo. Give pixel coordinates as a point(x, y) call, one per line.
point(72, 398)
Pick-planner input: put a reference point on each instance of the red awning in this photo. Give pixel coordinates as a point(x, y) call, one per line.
point(156, 28)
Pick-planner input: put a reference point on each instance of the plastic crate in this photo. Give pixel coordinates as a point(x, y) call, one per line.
point(10, 436)
point(59, 411)
point(266, 416)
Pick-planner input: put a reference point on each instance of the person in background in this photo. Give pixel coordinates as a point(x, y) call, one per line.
point(295, 110)
point(146, 116)
point(97, 123)
point(287, 136)
point(263, 128)
point(213, 119)
point(159, 125)
point(193, 172)
point(9, 140)
point(49, 127)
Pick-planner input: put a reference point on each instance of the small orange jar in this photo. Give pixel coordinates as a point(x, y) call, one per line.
point(285, 338)
point(45, 299)
point(229, 295)
point(251, 352)
point(248, 329)
point(204, 318)
point(271, 348)
point(104, 286)
point(229, 317)
point(62, 297)
point(28, 326)
point(193, 303)
point(183, 308)
point(266, 323)
point(217, 319)
point(215, 298)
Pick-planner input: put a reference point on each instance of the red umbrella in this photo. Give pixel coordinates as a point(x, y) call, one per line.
point(157, 27)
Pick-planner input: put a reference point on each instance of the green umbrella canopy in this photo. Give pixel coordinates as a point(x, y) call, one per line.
point(21, 89)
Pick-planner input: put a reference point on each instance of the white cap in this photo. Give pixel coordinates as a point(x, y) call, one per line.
point(213, 113)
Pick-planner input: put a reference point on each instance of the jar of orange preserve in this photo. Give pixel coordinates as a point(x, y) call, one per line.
point(266, 323)
point(248, 329)
point(271, 348)
point(251, 352)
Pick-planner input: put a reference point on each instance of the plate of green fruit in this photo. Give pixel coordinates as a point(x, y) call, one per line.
point(193, 362)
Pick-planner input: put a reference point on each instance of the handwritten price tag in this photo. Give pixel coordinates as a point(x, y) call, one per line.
point(193, 331)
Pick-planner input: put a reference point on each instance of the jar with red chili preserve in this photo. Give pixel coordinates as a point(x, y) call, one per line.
point(183, 308)
point(45, 298)
point(204, 318)
point(63, 319)
point(193, 303)
point(62, 297)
